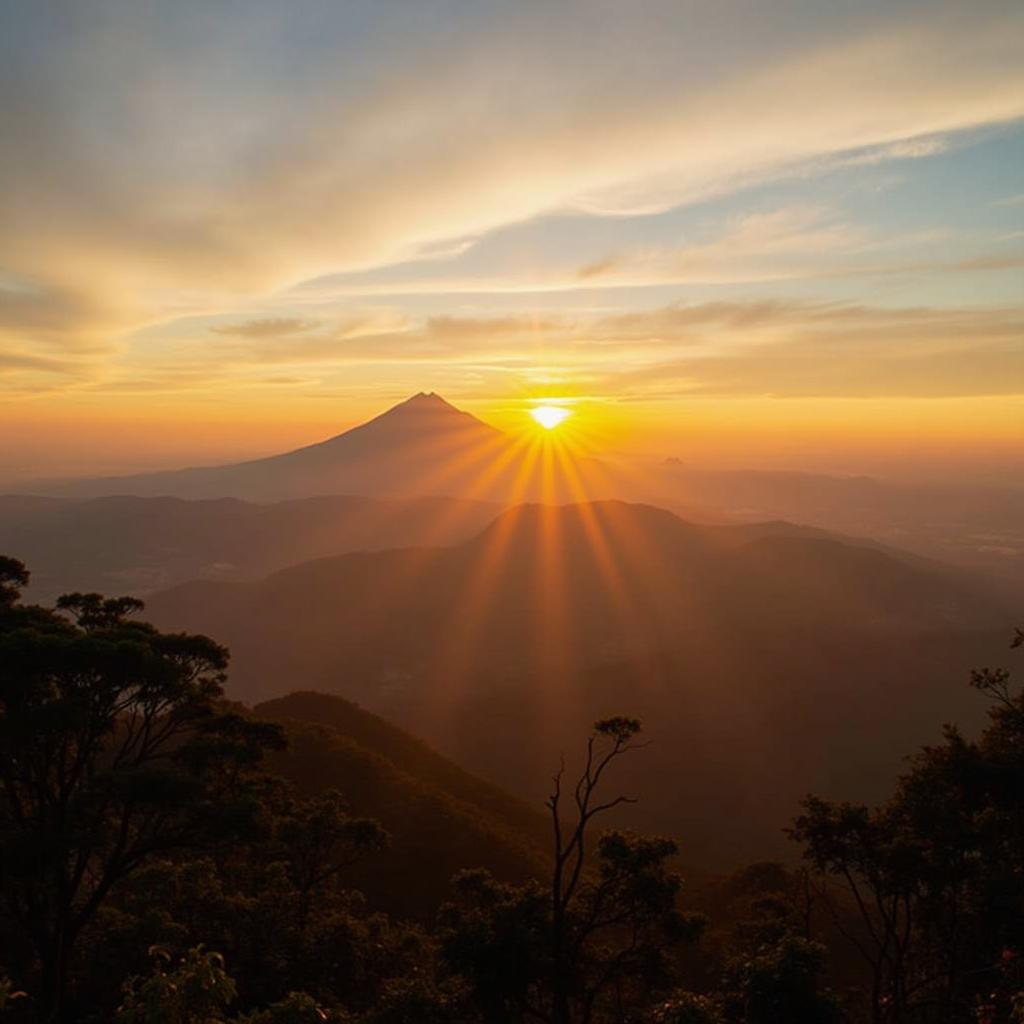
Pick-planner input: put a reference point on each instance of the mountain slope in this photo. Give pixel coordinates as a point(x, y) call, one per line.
point(421, 447)
point(762, 663)
point(440, 818)
point(553, 588)
point(409, 755)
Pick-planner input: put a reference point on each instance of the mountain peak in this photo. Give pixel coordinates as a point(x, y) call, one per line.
point(426, 400)
point(425, 408)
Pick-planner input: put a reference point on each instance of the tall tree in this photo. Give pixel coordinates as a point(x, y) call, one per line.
point(115, 747)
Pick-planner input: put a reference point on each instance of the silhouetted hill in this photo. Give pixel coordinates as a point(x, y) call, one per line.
point(136, 545)
point(440, 817)
point(761, 662)
point(410, 755)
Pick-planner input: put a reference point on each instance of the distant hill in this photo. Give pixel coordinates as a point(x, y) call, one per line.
point(977, 526)
point(129, 545)
point(763, 659)
point(441, 818)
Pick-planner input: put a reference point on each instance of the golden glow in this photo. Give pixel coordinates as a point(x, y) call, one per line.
point(95, 433)
point(549, 416)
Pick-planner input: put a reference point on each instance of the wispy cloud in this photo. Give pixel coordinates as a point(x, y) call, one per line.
point(206, 172)
point(774, 347)
point(801, 350)
point(796, 242)
point(271, 327)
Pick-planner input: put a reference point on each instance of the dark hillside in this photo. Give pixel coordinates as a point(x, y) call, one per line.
point(441, 819)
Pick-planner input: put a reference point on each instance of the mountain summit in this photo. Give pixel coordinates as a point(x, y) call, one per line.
point(423, 400)
point(423, 429)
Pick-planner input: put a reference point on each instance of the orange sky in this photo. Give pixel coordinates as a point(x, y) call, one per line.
point(979, 439)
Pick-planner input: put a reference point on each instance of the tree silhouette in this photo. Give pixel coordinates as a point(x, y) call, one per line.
point(319, 840)
point(13, 579)
point(595, 938)
point(936, 874)
point(114, 749)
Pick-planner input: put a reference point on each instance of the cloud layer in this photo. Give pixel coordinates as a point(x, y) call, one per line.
point(192, 158)
point(747, 349)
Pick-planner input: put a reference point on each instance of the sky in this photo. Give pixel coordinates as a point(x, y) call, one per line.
point(786, 234)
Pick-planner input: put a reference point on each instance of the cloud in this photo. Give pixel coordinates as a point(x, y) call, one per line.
point(905, 149)
point(54, 316)
point(779, 347)
point(161, 160)
point(272, 327)
point(379, 336)
point(782, 348)
point(661, 193)
point(771, 245)
point(798, 241)
point(827, 350)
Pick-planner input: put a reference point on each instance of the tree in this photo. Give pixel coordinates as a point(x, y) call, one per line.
point(13, 579)
point(780, 980)
point(594, 939)
point(687, 1008)
point(197, 991)
point(319, 840)
point(773, 968)
point(936, 874)
point(880, 873)
point(115, 748)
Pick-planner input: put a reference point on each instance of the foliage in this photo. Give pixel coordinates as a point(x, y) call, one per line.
point(780, 980)
point(687, 1008)
point(14, 578)
point(197, 991)
point(595, 936)
point(937, 873)
point(114, 749)
point(9, 995)
point(318, 841)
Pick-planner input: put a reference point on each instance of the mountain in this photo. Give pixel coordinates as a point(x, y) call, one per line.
point(129, 545)
point(977, 526)
point(441, 819)
point(423, 447)
point(761, 658)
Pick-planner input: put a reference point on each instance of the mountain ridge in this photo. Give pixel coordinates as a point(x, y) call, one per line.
point(124, 544)
point(776, 653)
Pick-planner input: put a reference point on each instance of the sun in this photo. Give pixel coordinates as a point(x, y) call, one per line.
point(549, 416)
